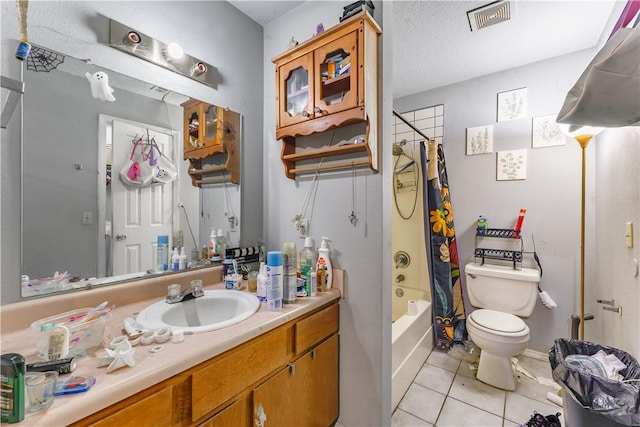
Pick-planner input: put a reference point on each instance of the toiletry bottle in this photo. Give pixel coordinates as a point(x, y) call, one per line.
point(182, 260)
point(262, 282)
point(274, 282)
point(175, 260)
point(227, 268)
point(58, 347)
point(212, 245)
point(481, 224)
point(308, 260)
point(12, 374)
point(324, 261)
point(220, 247)
point(289, 261)
point(162, 263)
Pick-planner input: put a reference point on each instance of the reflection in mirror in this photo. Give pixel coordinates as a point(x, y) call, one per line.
point(81, 224)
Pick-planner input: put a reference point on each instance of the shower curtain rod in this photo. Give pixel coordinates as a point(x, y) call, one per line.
point(410, 125)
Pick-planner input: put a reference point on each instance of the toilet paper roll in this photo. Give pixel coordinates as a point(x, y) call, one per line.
point(412, 308)
point(554, 398)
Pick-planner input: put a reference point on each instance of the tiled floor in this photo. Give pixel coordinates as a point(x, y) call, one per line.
point(445, 393)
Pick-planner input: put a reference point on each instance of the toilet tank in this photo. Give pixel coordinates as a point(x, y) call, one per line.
point(502, 288)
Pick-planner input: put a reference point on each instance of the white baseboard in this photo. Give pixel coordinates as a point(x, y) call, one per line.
point(536, 355)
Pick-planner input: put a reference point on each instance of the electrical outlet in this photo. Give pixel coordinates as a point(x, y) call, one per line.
point(87, 218)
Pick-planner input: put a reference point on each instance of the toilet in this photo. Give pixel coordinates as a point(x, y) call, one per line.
point(501, 296)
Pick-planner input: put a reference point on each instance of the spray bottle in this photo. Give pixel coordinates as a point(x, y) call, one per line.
point(324, 262)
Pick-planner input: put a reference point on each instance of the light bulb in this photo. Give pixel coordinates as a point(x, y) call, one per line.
point(174, 51)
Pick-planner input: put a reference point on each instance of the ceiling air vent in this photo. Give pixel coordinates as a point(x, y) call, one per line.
point(489, 14)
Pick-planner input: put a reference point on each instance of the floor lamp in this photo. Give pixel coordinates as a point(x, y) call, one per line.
point(582, 134)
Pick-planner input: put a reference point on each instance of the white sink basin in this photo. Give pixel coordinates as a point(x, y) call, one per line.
point(215, 310)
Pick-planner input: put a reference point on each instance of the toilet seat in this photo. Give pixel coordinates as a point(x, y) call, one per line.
point(498, 323)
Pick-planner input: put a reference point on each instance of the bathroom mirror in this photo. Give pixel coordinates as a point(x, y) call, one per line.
point(75, 209)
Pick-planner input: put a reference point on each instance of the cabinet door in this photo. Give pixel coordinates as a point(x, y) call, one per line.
point(295, 91)
point(209, 134)
point(303, 394)
point(336, 82)
point(275, 402)
point(192, 121)
point(324, 383)
point(236, 415)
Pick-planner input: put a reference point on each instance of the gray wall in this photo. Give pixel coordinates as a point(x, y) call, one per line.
point(359, 250)
point(550, 193)
point(221, 35)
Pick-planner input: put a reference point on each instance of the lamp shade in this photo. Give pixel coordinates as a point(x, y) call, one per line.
point(575, 131)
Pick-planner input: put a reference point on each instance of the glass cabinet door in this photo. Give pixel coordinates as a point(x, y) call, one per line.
point(193, 128)
point(336, 82)
point(211, 124)
point(296, 94)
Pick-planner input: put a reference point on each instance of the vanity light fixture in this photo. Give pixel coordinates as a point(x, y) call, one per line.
point(170, 56)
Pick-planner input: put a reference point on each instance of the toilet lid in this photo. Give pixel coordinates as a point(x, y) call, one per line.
point(498, 321)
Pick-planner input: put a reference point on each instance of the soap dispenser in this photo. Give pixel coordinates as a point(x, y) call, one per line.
point(324, 262)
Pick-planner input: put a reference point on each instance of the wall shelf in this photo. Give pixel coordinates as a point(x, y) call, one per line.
point(513, 256)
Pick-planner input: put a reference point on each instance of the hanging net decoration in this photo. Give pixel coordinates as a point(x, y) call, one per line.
point(41, 59)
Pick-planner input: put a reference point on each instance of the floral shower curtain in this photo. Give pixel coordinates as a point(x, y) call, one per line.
point(449, 323)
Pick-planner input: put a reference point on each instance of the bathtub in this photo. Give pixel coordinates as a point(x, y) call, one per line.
point(411, 344)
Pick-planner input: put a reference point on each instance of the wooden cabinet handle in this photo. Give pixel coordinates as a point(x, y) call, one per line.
point(319, 111)
point(305, 113)
point(292, 368)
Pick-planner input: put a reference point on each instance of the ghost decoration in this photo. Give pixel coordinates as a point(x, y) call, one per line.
point(100, 89)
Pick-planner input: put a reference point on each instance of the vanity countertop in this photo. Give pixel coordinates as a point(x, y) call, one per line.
point(150, 368)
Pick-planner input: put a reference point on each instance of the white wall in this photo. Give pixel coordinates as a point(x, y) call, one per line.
point(215, 32)
point(359, 250)
point(550, 193)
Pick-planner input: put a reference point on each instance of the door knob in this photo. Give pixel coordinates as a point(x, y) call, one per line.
point(121, 237)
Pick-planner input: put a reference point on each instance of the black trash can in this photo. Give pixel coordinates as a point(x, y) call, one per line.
point(591, 399)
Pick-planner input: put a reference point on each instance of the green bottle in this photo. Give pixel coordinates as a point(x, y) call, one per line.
point(12, 393)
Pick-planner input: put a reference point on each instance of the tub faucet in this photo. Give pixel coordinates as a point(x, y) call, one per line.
point(175, 295)
point(400, 278)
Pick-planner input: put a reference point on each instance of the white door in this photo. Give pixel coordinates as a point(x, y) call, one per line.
point(139, 215)
point(617, 316)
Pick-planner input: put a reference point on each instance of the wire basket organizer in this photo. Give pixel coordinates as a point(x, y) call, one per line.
point(513, 256)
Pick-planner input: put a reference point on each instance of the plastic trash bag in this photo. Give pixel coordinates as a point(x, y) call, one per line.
point(618, 401)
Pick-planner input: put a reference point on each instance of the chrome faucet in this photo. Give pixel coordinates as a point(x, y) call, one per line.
point(175, 295)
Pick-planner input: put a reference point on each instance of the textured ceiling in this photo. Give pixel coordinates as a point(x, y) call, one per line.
point(433, 45)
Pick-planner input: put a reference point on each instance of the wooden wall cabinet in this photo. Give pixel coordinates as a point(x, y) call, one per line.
point(329, 81)
point(290, 375)
point(210, 130)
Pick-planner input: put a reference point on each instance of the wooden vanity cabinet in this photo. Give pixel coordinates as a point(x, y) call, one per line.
point(329, 81)
point(289, 374)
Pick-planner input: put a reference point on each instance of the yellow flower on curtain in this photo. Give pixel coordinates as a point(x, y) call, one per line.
point(439, 223)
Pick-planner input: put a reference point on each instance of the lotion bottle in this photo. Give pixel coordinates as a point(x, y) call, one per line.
point(175, 260)
point(182, 259)
point(262, 282)
point(324, 262)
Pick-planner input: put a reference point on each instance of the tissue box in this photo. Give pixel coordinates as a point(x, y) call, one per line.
point(82, 336)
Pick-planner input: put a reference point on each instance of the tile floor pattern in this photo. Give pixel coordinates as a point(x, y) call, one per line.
point(445, 393)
